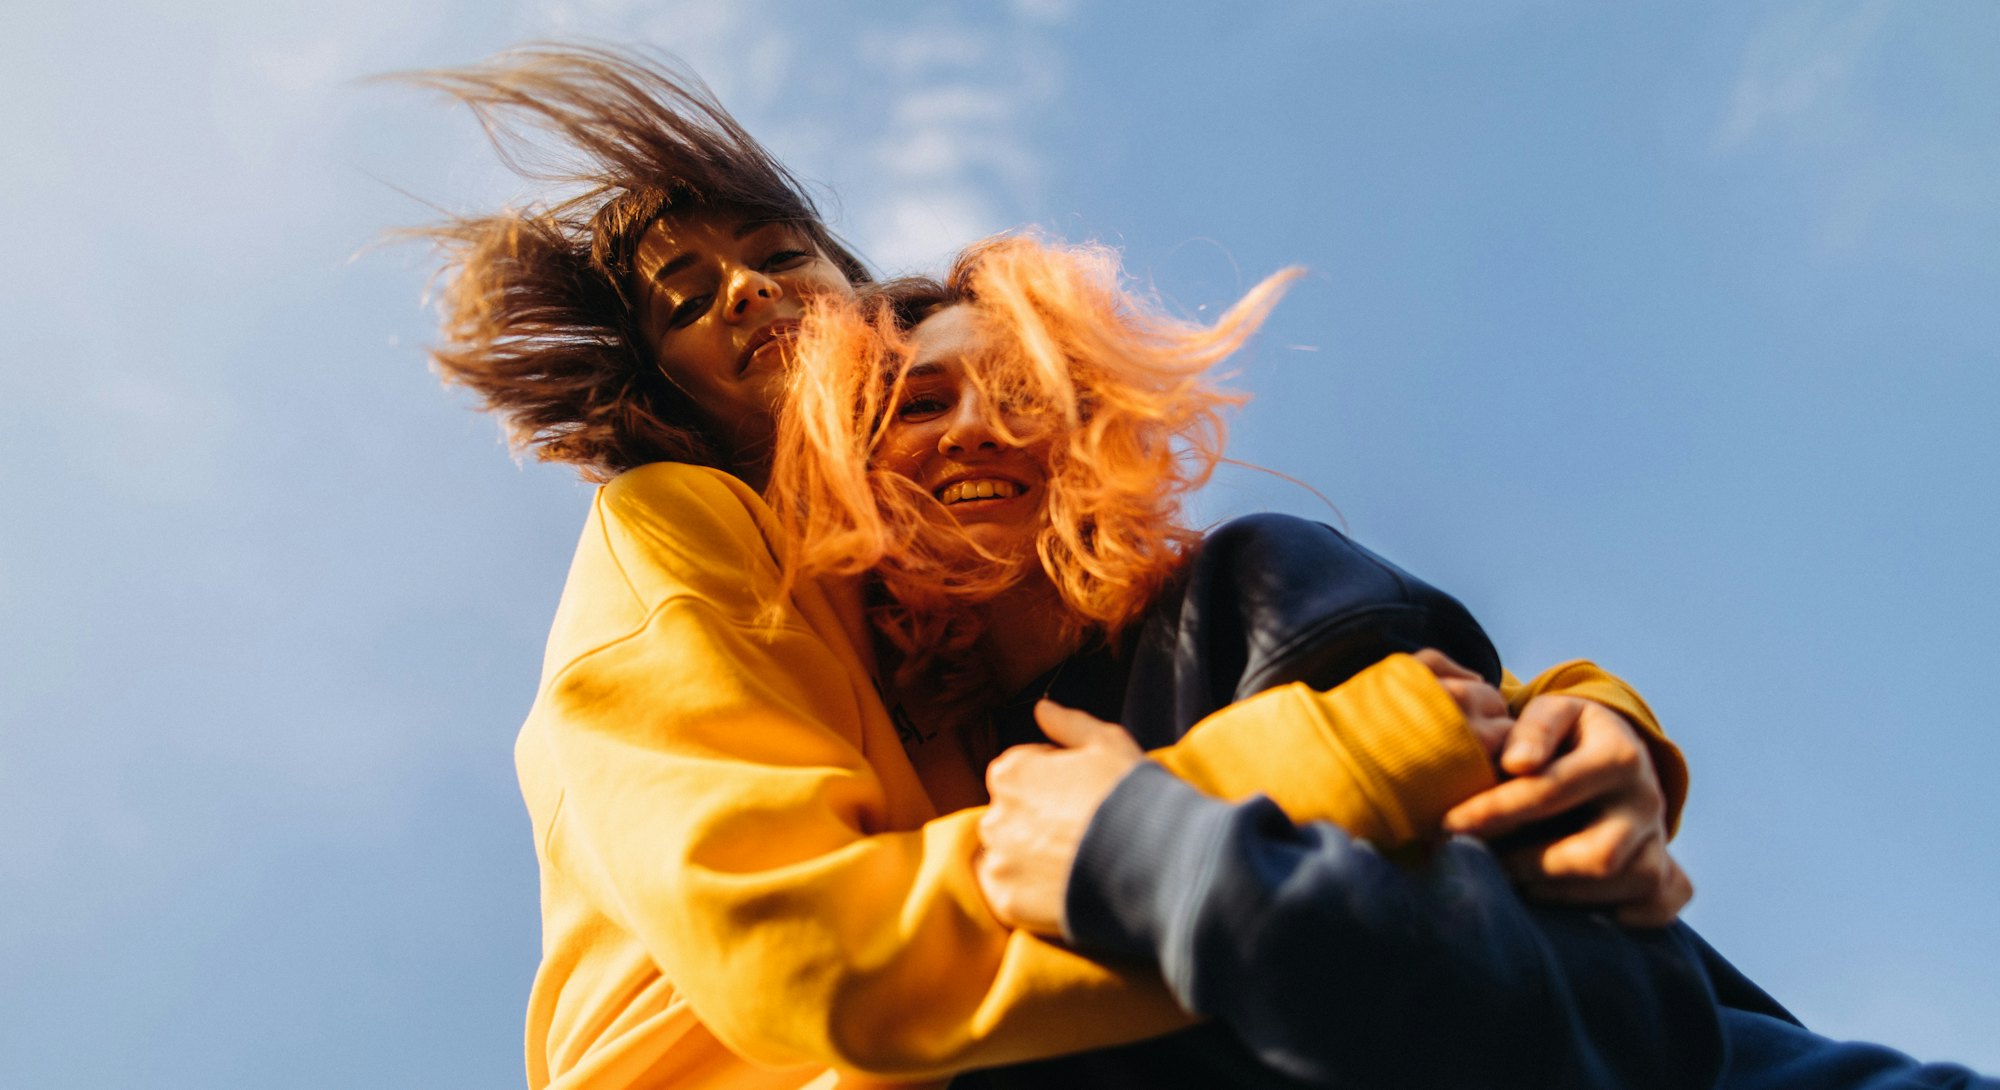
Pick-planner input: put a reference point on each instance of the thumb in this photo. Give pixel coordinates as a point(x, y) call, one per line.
point(1069, 727)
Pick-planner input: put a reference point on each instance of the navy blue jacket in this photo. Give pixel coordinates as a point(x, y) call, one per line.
point(1322, 962)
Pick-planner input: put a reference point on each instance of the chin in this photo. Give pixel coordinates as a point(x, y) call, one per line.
point(1007, 541)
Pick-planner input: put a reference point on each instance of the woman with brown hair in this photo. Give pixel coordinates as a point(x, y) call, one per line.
point(747, 879)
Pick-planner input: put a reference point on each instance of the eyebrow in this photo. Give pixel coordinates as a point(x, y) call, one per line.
point(673, 265)
point(893, 379)
point(681, 261)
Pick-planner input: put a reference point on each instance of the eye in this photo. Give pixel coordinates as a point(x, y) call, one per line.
point(688, 311)
point(921, 407)
point(787, 259)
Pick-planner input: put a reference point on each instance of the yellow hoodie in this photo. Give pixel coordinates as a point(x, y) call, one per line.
point(744, 883)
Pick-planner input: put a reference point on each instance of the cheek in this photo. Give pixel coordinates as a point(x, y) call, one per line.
point(662, 345)
point(900, 453)
point(654, 313)
point(825, 278)
point(697, 364)
point(678, 372)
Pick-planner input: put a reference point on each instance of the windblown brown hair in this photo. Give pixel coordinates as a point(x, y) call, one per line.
point(1121, 393)
point(539, 317)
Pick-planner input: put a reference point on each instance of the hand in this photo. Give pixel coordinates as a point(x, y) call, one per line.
point(1043, 799)
point(1485, 710)
point(1570, 757)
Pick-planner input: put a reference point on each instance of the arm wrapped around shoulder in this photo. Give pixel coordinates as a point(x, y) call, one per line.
point(728, 793)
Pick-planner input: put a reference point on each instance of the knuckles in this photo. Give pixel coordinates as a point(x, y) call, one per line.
point(1627, 761)
point(1652, 867)
point(1003, 769)
point(1553, 714)
point(1595, 864)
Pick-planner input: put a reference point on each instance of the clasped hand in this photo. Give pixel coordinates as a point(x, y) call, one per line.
point(1568, 761)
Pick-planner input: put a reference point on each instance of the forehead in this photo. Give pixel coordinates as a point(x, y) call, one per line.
point(949, 336)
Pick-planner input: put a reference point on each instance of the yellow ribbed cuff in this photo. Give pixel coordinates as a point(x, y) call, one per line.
point(1412, 736)
point(1383, 755)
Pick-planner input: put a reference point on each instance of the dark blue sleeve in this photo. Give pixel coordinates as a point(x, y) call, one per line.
point(1340, 967)
point(1767, 1053)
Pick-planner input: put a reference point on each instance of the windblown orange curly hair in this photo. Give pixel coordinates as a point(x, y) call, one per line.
point(1122, 393)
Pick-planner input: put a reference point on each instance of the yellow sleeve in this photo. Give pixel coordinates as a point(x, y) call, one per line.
point(1587, 680)
point(1387, 753)
point(1383, 755)
point(730, 794)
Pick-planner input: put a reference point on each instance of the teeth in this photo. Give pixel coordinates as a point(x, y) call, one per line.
point(961, 491)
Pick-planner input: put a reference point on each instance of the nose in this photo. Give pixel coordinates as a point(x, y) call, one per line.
point(971, 427)
point(749, 292)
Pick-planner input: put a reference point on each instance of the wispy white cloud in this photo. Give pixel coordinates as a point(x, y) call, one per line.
point(1045, 11)
point(153, 437)
point(919, 52)
point(1797, 74)
point(916, 228)
point(739, 50)
point(925, 136)
point(1820, 94)
point(956, 158)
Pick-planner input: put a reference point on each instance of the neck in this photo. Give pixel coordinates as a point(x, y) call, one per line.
point(756, 474)
point(1024, 636)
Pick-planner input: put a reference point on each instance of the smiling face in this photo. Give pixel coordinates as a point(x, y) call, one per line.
point(720, 298)
point(945, 434)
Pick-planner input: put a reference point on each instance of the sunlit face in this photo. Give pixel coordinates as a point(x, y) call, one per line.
point(942, 433)
point(720, 298)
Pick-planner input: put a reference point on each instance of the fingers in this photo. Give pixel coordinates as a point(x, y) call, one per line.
point(1603, 787)
point(1043, 800)
point(1516, 804)
point(1442, 665)
point(1015, 892)
point(1608, 848)
point(1637, 878)
point(1070, 728)
point(1475, 698)
point(1615, 865)
point(1485, 710)
point(1012, 760)
point(1609, 764)
point(1660, 911)
point(1650, 894)
point(1539, 733)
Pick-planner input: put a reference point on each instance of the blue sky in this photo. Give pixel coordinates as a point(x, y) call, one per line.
point(1660, 334)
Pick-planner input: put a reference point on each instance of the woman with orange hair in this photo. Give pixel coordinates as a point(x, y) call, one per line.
point(1005, 449)
point(1003, 454)
point(748, 878)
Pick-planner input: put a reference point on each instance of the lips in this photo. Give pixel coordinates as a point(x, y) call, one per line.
point(969, 489)
point(775, 337)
